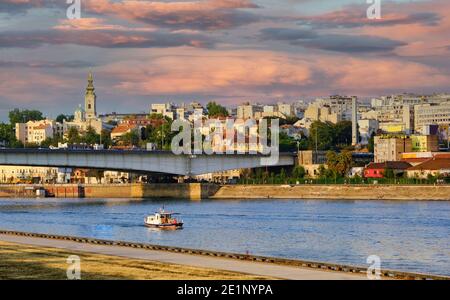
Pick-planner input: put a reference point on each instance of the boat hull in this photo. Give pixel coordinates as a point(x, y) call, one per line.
point(175, 226)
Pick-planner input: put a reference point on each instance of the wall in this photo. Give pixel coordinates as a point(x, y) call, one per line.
point(354, 192)
point(193, 191)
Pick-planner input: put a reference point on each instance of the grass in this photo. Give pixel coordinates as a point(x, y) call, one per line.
point(23, 262)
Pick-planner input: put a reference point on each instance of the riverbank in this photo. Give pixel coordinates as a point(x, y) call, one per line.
point(333, 192)
point(197, 191)
point(26, 262)
point(194, 264)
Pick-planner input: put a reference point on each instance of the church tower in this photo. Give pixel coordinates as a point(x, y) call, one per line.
point(90, 99)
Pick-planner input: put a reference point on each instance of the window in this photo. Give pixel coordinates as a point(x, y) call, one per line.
point(89, 106)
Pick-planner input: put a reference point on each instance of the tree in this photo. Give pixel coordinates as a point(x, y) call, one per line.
point(23, 116)
point(298, 172)
point(73, 136)
point(61, 118)
point(8, 137)
point(330, 136)
point(130, 139)
point(51, 142)
point(388, 173)
point(342, 133)
point(339, 164)
point(90, 137)
point(215, 110)
point(287, 143)
point(321, 135)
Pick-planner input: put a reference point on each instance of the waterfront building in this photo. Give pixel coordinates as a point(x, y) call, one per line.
point(390, 148)
point(35, 132)
point(435, 166)
point(311, 161)
point(27, 174)
point(378, 170)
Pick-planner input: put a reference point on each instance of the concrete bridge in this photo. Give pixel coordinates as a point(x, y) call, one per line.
point(136, 160)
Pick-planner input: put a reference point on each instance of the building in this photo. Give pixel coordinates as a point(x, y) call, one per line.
point(35, 132)
point(378, 170)
point(90, 99)
point(425, 143)
point(355, 132)
point(390, 148)
point(27, 174)
point(311, 161)
point(123, 129)
point(437, 167)
point(248, 111)
point(367, 128)
point(286, 109)
point(416, 158)
point(87, 117)
point(431, 114)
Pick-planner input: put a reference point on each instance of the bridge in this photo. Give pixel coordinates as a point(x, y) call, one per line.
point(138, 161)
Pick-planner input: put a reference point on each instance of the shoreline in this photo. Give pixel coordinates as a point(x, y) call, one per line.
point(234, 262)
point(202, 191)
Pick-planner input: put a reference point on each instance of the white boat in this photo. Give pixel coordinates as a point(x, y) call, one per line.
point(163, 220)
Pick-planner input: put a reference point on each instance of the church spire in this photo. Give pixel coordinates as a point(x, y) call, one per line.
point(90, 86)
point(90, 98)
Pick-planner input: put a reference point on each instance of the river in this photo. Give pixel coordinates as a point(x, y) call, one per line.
point(409, 236)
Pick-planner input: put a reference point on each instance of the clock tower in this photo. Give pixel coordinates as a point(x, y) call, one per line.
point(90, 99)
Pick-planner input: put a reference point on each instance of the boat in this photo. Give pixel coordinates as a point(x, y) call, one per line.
point(163, 220)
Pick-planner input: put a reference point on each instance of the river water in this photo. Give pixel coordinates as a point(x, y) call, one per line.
point(409, 236)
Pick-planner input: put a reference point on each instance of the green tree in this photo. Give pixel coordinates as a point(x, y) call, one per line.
point(90, 137)
point(215, 110)
point(73, 136)
point(287, 143)
point(339, 164)
point(298, 172)
point(8, 137)
point(61, 118)
point(321, 134)
point(342, 132)
point(51, 142)
point(130, 139)
point(23, 116)
point(388, 173)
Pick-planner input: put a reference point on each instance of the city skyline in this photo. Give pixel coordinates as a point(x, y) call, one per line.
point(223, 50)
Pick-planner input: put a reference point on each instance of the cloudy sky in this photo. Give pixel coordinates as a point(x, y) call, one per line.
point(224, 50)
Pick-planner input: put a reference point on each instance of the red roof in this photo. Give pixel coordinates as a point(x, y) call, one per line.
point(394, 165)
point(434, 164)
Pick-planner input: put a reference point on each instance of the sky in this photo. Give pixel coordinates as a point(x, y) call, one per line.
point(228, 51)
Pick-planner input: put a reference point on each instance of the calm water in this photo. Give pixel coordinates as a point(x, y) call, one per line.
point(411, 236)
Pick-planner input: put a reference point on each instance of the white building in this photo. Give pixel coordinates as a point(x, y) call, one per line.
point(35, 132)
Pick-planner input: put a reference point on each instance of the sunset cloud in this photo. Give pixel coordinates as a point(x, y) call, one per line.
point(234, 50)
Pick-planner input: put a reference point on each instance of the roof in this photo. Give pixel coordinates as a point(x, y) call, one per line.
point(123, 128)
point(395, 165)
point(435, 163)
